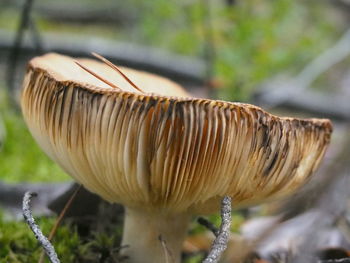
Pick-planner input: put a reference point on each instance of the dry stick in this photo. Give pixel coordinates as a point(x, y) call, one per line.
point(59, 219)
point(209, 47)
point(206, 223)
point(36, 37)
point(96, 75)
point(220, 243)
point(28, 217)
point(168, 255)
point(343, 260)
point(110, 64)
point(333, 55)
point(16, 47)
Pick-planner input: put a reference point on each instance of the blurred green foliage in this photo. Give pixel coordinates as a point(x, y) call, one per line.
point(21, 159)
point(253, 40)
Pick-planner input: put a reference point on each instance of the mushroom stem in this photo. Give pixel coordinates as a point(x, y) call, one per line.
point(153, 237)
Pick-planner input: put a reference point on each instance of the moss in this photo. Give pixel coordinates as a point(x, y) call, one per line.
point(194, 259)
point(18, 244)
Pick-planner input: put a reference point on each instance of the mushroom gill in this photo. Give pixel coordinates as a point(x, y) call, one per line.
point(161, 153)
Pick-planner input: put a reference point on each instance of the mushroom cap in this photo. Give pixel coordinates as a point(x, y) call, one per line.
point(162, 149)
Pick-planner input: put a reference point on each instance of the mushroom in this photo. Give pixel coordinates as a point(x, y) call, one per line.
point(142, 141)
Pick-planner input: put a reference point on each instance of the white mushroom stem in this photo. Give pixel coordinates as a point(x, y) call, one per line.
point(141, 236)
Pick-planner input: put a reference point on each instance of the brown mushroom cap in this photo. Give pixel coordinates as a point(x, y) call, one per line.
point(164, 151)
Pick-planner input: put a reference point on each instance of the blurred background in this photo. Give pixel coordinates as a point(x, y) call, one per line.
point(291, 57)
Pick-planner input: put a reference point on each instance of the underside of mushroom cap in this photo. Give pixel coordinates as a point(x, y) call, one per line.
point(165, 151)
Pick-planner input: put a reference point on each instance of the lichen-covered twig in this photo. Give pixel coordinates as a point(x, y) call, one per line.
point(45, 243)
point(220, 243)
point(60, 218)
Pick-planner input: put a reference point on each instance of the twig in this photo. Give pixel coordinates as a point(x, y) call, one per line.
point(14, 53)
point(209, 47)
point(220, 243)
point(45, 243)
point(230, 3)
point(168, 255)
point(2, 133)
point(204, 222)
point(275, 95)
point(36, 37)
point(111, 65)
point(343, 260)
point(185, 69)
point(96, 75)
point(338, 52)
point(59, 220)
